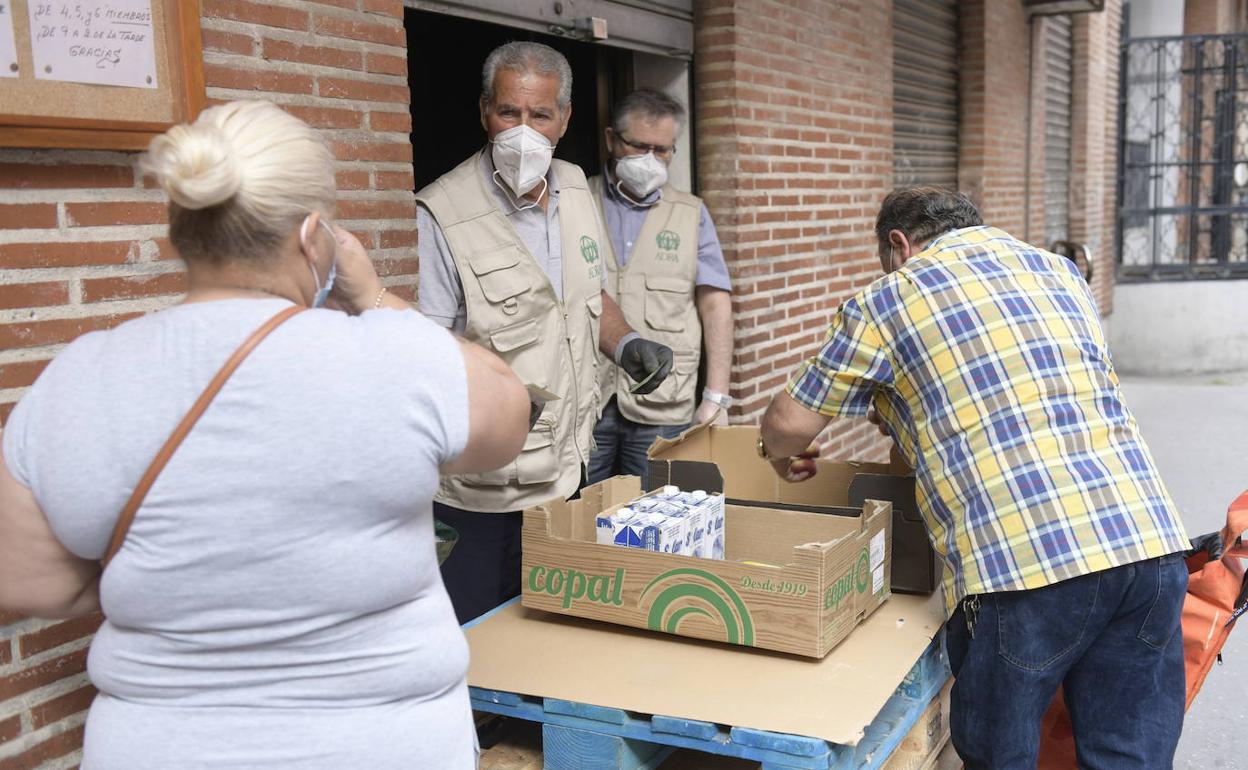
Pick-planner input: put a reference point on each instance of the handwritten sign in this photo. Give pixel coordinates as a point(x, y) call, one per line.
point(103, 42)
point(8, 47)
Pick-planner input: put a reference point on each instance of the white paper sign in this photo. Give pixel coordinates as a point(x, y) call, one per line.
point(103, 42)
point(8, 47)
point(877, 549)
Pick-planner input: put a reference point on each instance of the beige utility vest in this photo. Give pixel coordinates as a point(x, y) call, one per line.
point(512, 309)
point(655, 290)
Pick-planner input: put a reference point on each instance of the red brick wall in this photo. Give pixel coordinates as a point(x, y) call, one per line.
point(993, 136)
point(794, 140)
point(82, 247)
point(993, 141)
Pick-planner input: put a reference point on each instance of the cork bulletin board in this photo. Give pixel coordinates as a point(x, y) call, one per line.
point(100, 74)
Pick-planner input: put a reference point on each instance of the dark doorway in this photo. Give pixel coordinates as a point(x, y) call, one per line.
point(445, 54)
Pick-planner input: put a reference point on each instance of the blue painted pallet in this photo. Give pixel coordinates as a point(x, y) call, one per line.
point(581, 736)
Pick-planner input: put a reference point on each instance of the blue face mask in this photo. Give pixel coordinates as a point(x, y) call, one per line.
point(322, 292)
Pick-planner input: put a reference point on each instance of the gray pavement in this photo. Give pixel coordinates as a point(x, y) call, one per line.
point(1197, 429)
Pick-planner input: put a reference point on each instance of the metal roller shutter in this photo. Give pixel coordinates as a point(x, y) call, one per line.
point(663, 27)
point(1057, 110)
point(925, 92)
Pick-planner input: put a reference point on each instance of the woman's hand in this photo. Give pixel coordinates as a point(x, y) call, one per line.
point(357, 285)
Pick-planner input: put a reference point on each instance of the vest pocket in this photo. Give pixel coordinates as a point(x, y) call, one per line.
point(538, 462)
point(515, 336)
point(667, 303)
point(679, 384)
point(494, 273)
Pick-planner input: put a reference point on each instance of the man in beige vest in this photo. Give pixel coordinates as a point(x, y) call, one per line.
point(669, 278)
point(512, 254)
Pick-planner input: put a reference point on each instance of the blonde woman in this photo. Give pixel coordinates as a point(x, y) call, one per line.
point(276, 601)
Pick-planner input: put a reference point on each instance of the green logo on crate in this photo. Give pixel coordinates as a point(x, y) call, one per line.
point(589, 249)
point(604, 589)
point(859, 578)
point(681, 593)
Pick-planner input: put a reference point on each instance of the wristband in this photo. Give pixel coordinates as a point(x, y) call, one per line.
point(619, 349)
point(717, 398)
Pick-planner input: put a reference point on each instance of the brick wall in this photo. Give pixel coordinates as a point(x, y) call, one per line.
point(793, 111)
point(995, 159)
point(993, 137)
point(82, 247)
point(794, 141)
point(1094, 145)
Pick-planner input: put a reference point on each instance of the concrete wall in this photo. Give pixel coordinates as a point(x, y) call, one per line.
point(1156, 18)
point(1180, 327)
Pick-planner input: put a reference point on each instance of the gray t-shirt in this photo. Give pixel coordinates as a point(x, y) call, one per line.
point(277, 602)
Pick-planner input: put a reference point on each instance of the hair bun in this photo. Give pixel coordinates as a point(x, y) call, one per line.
point(195, 166)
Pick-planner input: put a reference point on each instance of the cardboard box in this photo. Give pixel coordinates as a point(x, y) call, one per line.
point(837, 485)
point(815, 576)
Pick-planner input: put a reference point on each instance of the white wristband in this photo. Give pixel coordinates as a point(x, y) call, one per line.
point(717, 398)
point(619, 348)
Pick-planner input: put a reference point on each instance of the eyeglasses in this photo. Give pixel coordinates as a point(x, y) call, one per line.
point(661, 150)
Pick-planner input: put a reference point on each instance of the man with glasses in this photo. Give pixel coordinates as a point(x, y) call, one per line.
point(668, 277)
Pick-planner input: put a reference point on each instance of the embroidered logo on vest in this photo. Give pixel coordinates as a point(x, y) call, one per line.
point(668, 242)
point(589, 249)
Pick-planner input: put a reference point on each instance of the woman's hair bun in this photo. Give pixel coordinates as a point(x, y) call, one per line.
point(195, 165)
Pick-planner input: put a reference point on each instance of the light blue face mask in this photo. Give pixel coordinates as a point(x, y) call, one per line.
point(322, 292)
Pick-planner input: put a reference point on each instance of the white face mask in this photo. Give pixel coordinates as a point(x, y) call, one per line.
point(521, 158)
point(642, 174)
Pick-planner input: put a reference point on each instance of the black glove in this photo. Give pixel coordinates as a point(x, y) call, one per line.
point(1210, 543)
point(641, 358)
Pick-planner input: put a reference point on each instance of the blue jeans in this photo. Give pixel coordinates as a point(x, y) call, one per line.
point(622, 444)
point(1110, 638)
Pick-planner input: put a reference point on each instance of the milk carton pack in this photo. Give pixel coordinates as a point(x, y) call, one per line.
point(668, 521)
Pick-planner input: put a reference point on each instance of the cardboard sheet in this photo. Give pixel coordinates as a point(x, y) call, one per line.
point(555, 656)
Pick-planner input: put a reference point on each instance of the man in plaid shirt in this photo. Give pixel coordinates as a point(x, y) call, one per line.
point(984, 358)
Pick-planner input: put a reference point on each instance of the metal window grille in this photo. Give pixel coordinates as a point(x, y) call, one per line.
point(1183, 158)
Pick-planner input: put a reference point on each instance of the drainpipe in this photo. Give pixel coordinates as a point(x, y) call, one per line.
point(1031, 87)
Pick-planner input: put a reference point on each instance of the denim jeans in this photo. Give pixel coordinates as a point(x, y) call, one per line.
point(1111, 639)
point(483, 570)
point(622, 444)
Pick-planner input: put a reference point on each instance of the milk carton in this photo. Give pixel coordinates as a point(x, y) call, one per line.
point(696, 516)
point(713, 509)
point(660, 530)
point(615, 529)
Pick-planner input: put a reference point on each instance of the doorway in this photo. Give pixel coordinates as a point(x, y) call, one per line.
point(445, 56)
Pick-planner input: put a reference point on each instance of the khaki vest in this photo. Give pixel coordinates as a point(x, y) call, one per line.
point(512, 310)
point(655, 290)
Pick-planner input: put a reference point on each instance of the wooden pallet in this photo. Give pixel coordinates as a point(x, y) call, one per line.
point(581, 736)
point(925, 747)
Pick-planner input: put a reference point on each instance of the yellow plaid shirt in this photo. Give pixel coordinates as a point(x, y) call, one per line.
point(986, 359)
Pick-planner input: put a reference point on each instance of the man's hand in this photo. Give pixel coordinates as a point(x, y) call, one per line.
point(1210, 544)
point(799, 467)
point(642, 358)
point(709, 411)
point(873, 417)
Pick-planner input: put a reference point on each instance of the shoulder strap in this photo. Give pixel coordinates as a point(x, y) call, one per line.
point(179, 433)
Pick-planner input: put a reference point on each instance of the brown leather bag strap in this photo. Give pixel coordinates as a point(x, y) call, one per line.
point(171, 445)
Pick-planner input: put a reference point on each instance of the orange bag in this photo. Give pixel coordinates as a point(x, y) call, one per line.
point(1217, 594)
